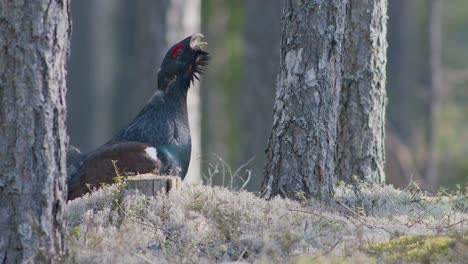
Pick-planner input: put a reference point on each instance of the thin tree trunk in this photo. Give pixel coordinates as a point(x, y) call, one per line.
point(360, 148)
point(34, 46)
point(435, 42)
point(302, 143)
point(261, 65)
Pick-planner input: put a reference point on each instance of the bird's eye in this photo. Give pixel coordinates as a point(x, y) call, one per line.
point(177, 50)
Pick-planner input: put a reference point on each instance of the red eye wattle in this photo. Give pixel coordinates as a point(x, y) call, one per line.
point(177, 50)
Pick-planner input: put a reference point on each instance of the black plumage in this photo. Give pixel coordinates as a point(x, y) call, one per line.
point(162, 123)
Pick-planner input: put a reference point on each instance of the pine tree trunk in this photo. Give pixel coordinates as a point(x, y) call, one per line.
point(360, 147)
point(261, 65)
point(302, 143)
point(34, 46)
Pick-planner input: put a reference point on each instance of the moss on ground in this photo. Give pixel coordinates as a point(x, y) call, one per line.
point(418, 248)
point(203, 224)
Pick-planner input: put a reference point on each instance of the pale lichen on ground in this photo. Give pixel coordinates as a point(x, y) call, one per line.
point(204, 224)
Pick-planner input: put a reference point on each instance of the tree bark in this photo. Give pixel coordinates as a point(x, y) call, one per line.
point(34, 47)
point(302, 143)
point(261, 65)
point(435, 43)
point(360, 147)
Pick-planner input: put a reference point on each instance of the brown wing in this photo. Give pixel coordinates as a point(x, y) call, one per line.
point(98, 167)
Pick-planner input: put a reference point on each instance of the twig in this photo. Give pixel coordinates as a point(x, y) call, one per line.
point(356, 216)
point(141, 223)
point(459, 222)
point(393, 203)
point(319, 215)
point(409, 183)
point(242, 254)
point(328, 250)
point(144, 258)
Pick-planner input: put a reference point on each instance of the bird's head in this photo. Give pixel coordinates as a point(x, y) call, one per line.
point(184, 61)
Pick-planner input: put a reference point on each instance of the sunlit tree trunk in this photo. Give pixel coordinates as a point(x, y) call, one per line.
point(261, 65)
point(34, 41)
point(302, 143)
point(360, 147)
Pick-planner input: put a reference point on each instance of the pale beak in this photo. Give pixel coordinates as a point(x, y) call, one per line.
point(195, 41)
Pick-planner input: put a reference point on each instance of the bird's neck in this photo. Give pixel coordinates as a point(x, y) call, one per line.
point(164, 119)
point(174, 86)
point(170, 99)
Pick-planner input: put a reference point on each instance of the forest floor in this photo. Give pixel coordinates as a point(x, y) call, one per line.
point(204, 224)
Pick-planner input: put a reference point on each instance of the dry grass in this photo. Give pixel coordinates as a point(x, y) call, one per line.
point(203, 224)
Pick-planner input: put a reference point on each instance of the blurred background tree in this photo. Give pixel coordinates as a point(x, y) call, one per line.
point(113, 64)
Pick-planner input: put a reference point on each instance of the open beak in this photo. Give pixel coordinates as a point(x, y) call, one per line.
point(196, 43)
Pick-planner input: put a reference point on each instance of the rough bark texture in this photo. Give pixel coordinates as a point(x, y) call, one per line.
point(34, 45)
point(261, 65)
point(360, 146)
point(435, 43)
point(302, 143)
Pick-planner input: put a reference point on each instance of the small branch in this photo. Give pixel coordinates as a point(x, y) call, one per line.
point(454, 224)
point(144, 258)
point(328, 250)
point(356, 216)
